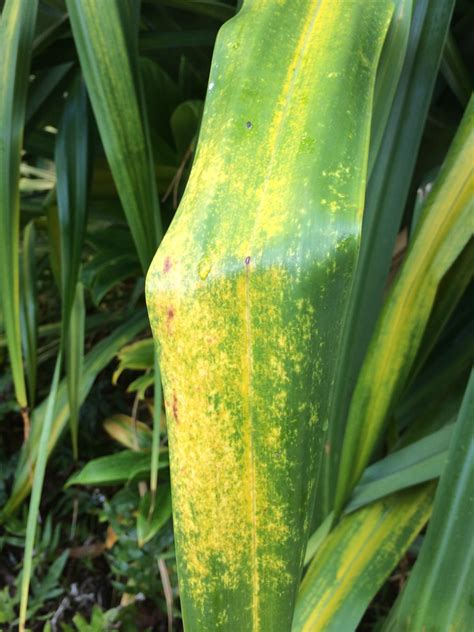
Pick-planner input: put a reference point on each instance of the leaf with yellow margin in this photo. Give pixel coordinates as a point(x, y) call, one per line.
point(356, 558)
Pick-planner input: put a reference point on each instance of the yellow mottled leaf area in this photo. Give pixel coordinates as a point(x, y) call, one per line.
point(247, 296)
point(212, 437)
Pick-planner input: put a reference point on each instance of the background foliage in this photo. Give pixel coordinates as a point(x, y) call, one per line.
point(93, 162)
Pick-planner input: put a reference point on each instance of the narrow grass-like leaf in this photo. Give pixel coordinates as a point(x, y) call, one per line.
point(455, 71)
point(436, 393)
point(29, 317)
point(441, 235)
point(438, 595)
point(212, 8)
point(417, 463)
point(17, 24)
point(72, 171)
point(74, 355)
point(44, 89)
point(37, 487)
point(248, 293)
point(94, 362)
point(110, 71)
point(104, 272)
point(318, 537)
point(356, 558)
point(449, 293)
point(388, 73)
point(386, 197)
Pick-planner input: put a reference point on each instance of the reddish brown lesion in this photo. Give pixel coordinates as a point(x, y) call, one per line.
point(175, 408)
point(169, 315)
point(167, 264)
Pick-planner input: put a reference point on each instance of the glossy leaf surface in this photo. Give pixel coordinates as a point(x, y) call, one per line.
point(116, 468)
point(247, 296)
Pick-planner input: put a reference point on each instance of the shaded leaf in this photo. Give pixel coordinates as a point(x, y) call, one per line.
point(438, 595)
point(17, 24)
point(153, 513)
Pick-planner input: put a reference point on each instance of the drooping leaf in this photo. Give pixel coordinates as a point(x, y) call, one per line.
point(247, 295)
point(438, 595)
point(442, 233)
point(17, 24)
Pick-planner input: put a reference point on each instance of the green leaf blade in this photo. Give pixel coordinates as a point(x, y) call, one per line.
point(438, 595)
point(441, 235)
point(110, 66)
point(16, 37)
point(247, 294)
point(356, 558)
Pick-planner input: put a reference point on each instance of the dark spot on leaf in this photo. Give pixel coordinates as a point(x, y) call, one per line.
point(249, 124)
point(247, 260)
point(170, 313)
point(167, 265)
point(175, 407)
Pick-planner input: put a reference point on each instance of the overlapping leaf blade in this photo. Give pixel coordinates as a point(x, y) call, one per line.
point(356, 558)
point(107, 51)
point(442, 233)
point(29, 309)
point(438, 595)
point(72, 158)
point(37, 487)
point(386, 197)
point(17, 24)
